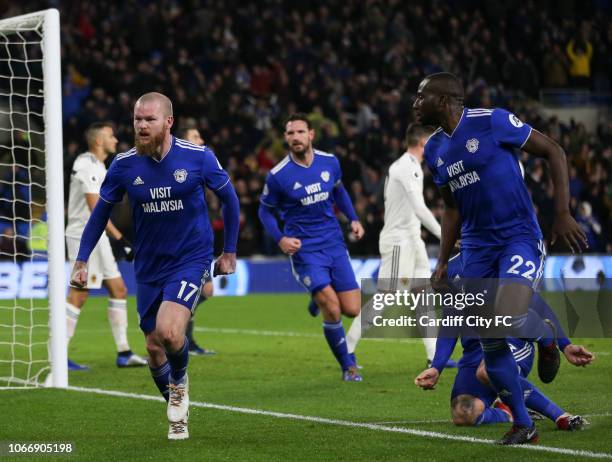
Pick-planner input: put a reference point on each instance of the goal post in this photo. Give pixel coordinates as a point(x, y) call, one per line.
point(32, 335)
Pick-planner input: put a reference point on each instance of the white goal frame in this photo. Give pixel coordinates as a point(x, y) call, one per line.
point(54, 172)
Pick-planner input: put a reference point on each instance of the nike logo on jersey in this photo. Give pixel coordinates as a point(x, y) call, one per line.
point(297, 185)
point(138, 181)
point(440, 162)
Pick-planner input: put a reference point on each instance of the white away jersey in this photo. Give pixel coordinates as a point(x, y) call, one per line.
point(87, 175)
point(405, 177)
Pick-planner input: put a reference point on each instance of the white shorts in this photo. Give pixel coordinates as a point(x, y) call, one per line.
point(101, 264)
point(400, 263)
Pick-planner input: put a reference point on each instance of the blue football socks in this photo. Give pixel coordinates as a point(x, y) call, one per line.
point(178, 362)
point(504, 377)
point(334, 334)
point(161, 377)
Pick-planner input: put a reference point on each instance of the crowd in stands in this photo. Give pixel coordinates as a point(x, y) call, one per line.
point(234, 69)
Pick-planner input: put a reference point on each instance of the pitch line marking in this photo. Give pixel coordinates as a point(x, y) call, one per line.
point(348, 423)
point(282, 333)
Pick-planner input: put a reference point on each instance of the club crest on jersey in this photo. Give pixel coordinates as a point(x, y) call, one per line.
point(472, 145)
point(325, 175)
point(514, 120)
point(180, 175)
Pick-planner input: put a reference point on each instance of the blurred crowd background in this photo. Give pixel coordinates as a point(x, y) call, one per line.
point(235, 69)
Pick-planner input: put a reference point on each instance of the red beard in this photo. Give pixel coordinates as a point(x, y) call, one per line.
point(151, 148)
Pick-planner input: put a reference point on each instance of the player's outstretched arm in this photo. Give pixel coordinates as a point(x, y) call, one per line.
point(288, 245)
point(451, 224)
point(344, 204)
point(564, 226)
point(578, 355)
point(427, 379)
point(93, 229)
point(226, 263)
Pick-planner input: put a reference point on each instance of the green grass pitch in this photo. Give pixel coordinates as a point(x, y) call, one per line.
point(272, 357)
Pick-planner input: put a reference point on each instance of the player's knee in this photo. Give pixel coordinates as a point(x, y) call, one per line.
point(351, 310)
point(170, 338)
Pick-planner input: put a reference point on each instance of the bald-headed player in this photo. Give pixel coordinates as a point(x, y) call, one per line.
point(473, 162)
point(192, 134)
point(87, 175)
point(165, 178)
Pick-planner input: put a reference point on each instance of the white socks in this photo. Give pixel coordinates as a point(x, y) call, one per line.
point(430, 347)
point(72, 317)
point(117, 317)
point(354, 334)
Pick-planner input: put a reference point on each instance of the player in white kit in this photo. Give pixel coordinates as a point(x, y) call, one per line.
point(402, 250)
point(87, 175)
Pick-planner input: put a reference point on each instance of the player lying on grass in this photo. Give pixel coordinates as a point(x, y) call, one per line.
point(303, 189)
point(164, 178)
point(473, 400)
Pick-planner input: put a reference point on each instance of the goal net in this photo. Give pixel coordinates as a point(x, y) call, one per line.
point(32, 264)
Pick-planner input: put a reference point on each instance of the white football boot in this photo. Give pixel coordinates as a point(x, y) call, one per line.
point(178, 401)
point(178, 430)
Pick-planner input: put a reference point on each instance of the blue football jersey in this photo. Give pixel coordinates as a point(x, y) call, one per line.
point(171, 225)
point(472, 350)
point(478, 163)
point(304, 200)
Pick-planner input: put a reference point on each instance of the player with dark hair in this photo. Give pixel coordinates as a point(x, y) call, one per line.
point(303, 189)
point(164, 178)
point(88, 172)
point(472, 160)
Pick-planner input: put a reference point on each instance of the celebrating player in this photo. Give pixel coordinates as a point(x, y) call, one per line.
point(402, 251)
point(192, 135)
point(303, 188)
point(164, 178)
point(472, 161)
point(88, 172)
point(472, 395)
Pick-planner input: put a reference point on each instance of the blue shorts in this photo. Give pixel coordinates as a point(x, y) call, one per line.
point(523, 353)
point(466, 383)
point(521, 261)
point(320, 268)
point(183, 287)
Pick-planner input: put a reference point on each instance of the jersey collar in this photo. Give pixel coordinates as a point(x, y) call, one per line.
point(314, 154)
point(168, 153)
point(456, 126)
